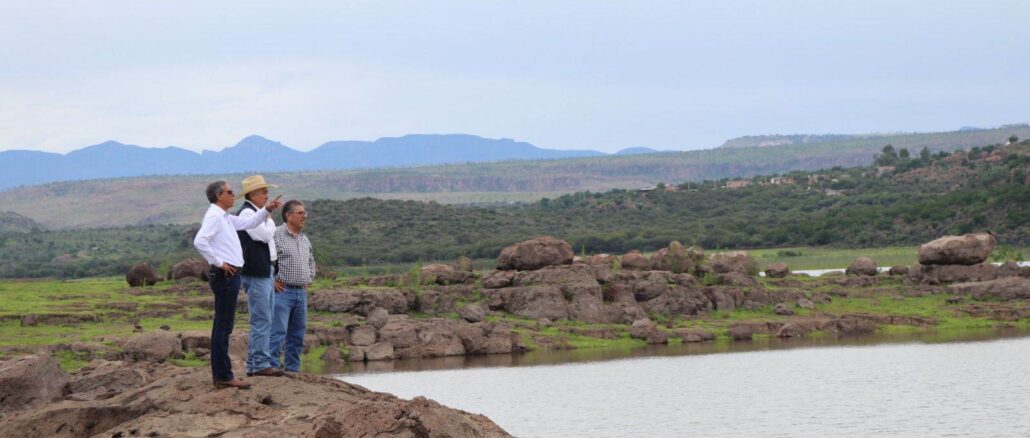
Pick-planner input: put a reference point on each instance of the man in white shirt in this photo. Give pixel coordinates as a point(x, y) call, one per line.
point(218, 242)
point(256, 276)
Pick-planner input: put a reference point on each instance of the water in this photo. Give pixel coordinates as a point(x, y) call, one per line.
point(819, 272)
point(976, 389)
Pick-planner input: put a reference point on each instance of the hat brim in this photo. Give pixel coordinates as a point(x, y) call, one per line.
point(258, 187)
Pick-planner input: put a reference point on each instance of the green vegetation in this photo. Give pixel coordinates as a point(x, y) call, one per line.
point(923, 198)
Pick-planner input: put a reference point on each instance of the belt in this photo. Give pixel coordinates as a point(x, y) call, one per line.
point(294, 286)
point(218, 269)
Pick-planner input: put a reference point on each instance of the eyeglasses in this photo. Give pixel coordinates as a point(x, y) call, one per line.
point(230, 192)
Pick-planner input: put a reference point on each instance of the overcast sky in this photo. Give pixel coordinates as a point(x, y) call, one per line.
point(598, 75)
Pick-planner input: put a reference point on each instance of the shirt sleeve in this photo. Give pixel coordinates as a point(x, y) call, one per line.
point(261, 233)
point(246, 223)
point(203, 240)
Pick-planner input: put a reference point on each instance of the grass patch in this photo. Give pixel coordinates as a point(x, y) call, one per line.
point(189, 360)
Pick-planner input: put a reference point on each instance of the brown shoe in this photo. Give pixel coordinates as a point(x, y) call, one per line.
point(234, 383)
point(269, 372)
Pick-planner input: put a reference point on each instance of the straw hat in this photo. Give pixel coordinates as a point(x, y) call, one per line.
point(254, 182)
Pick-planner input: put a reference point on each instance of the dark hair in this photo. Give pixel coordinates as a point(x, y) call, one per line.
point(214, 190)
point(288, 207)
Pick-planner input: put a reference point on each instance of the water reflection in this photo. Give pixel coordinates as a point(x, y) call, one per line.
point(605, 354)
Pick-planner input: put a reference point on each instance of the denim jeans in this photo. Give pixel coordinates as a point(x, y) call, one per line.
point(226, 291)
point(291, 320)
point(259, 305)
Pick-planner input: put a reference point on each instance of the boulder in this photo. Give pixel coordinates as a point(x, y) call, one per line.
point(777, 270)
point(102, 379)
point(733, 261)
point(740, 332)
point(535, 254)
point(634, 260)
point(898, 270)
point(967, 249)
point(697, 336)
point(444, 274)
point(602, 260)
point(473, 312)
point(30, 381)
point(142, 274)
point(189, 268)
point(156, 346)
point(937, 274)
point(192, 340)
point(377, 317)
point(783, 309)
point(498, 279)
point(541, 301)
point(805, 303)
point(29, 320)
point(646, 330)
point(332, 356)
point(862, 266)
point(673, 259)
point(363, 335)
point(791, 330)
point(1012, 269)
point(362, 301)
point(1002, 289)
point(379, 351)
point(464, 264)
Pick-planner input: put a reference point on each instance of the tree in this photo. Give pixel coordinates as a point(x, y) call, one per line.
point(924, 154)
point(888, 158)
point(903, 154)
point(1013, 139)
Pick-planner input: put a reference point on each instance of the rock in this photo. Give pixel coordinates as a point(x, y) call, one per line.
point(30, 381)
point(783, 309)
point(377, 317)
point(863, 266)
point(156, 346)
point(189, 268)
point(641, 328)
point(498, 279)
point(777, 270)
point(602, 260)
point(328, 335)
point(444, 274)
point(740, 332)
point(852, 326)
point(542, 301)
point(356, 354)
point(967, 249)
point(898, 270)
point(102, 379)
point(362, 301)
point(1012, 269)
point(734, 261)
point(464, 264)
point(791, 330)
point(673, 259)
point(634, 260)
point(937, 274)
point(29, 321)
point(181, 402)
point(142, 274)
point(192, 340)
point(363, 335)
point(954, 300)
point(379, 351)
point(473, 312)
point(1002, 289)
point(805, 303)
point(737, 279)
point(332, 356)
point(535, 253)
point(697, 336)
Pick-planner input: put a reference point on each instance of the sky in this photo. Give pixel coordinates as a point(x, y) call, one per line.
point(601, 75)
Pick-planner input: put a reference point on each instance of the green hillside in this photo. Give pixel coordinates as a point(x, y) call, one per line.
point(921, 198)
point(180, 200)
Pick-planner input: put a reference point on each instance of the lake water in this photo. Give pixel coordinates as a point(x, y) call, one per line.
point(816, 388)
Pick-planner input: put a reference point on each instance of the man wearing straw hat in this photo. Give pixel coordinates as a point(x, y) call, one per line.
point(256, 276)
point(218, 242)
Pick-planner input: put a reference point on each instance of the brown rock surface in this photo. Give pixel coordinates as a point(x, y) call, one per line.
point(535, 254)
point(967, 249)
point(30, 381)
point(142, 274)
point(173, 401)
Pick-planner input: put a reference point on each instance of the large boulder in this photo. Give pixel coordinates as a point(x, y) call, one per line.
point(363, 335)
point(937, 274)
point(734, 261)
point(156, 346)
point(862, 266)
point(30, 381)
point(967, 249)
point(535, 254)
point(444, 274)
point(542, 301)
point(777, 270)
point(602, 260)
point(189, 268)
point(498, 279)
point(1002, 289)
point(363, 301)
point(142, 274)
point(673, 259)
point(634, 261)
point(472, 312)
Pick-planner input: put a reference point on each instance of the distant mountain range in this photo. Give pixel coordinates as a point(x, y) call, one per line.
point(258, 154)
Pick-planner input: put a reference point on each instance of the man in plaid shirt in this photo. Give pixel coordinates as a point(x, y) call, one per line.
point(295, 268)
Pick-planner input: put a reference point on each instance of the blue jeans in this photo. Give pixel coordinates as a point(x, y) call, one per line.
point(226, 291)
point(291, 320)
point(259, 305)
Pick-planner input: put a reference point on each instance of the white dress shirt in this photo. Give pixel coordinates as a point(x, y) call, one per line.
point(261, 233)
point(217, 240)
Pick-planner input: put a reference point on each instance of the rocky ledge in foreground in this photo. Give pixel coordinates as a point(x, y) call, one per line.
point(120, 399)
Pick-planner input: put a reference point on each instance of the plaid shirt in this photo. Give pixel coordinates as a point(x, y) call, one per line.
point(296, 260)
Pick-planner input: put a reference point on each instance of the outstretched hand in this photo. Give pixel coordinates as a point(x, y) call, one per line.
point(273, 204)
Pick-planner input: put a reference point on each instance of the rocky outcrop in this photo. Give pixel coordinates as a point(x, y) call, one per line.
point(777, 270)
point(939, 274)
point(163, 400)
point(155, 346)
point(862, 266)
point(535, 254)
point(967, 249)
point(634, 260)
point(362, 301)
point(444, 274)
point(673, 259)
point(30, 381)
point(142, 275)
point(189, 268)
point(1002, 289)
point(733, 261)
